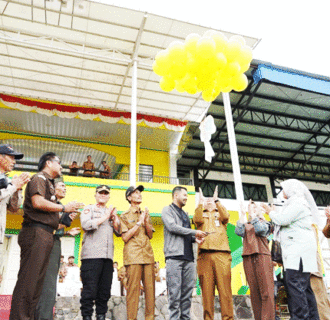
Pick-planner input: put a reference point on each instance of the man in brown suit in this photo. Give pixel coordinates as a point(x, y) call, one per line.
point(317, 283)
point(214, 258)
point(40, 220)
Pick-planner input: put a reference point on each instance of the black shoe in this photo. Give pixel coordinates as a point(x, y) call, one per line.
point(87, 317)
point(100, 317)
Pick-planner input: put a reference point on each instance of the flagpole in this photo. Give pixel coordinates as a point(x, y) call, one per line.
point(233, 150)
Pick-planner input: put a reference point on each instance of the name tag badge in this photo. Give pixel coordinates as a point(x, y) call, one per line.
point(217, 223)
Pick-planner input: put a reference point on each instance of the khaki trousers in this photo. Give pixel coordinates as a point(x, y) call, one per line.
point(136, 273)
point(321, 296)
point(214, 269)
point(259, 274)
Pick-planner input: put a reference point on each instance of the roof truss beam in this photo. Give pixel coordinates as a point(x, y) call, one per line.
point(265, 122)
point(258, 146)
point(252, 164)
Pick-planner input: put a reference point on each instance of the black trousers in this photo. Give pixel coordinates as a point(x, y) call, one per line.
point(47, 299)
point(301, 299)
point(96, 276)
point(36, 245)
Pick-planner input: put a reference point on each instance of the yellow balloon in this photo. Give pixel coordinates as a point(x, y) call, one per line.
point(220, 61)
point(177, 51)
point(205, 84)
point(157, 69)
point(190, 84)
point(222, 81)
point(206, 48)
point(226, 89)
point(232, 69)
point(233, 50)
point(167, 84)
point(177, 71)
point(191, 42)
point(208, 95)
point(192, 64)
point(161, 56)
point(179, 86)
point(240, 82)
point(245, 56)
point(245, 67)
point(221, 42)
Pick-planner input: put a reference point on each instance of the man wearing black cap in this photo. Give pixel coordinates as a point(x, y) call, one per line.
point(40, 220)
point(99, 223)
point(139, 261)
point(10, 191)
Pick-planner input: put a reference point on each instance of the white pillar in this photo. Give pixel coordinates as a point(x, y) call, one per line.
point(173, 167)
point(233, 150)
point(132, 171)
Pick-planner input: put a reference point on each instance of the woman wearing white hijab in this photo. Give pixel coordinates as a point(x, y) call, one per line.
point(298, 246)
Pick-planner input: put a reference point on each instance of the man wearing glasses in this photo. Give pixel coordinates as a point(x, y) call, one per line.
point(40, 221)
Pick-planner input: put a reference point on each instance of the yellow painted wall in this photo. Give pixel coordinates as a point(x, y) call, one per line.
point(158, 159)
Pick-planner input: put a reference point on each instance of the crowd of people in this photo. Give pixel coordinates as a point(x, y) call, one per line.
point(45, 219)
point(89, 169)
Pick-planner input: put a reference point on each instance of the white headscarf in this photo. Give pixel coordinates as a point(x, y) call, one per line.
point(296, 190)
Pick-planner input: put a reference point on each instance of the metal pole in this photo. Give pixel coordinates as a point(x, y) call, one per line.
point(132, 170)
point(233, 150)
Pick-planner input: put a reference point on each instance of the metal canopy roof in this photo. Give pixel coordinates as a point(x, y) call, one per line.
point(15, 121)
point(81, 52)
point(281, 130)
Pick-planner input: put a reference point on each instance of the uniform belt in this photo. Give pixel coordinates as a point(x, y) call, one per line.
point(40, 225)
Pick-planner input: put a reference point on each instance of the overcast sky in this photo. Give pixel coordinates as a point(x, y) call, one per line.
point(293, 33)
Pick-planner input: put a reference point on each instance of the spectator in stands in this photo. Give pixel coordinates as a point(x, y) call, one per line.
point(71, 262)
point(61, 274)
point(299, 248)
point(122, 277)
point(62, 262)
point(88, 166)
point(74, 168)
point(257, 261)
point(40, 220)
point(115, 287)
point(106, 173)
point(47, 299)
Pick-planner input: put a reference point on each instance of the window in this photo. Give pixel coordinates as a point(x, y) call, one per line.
point(145, 173)
point(226, 190)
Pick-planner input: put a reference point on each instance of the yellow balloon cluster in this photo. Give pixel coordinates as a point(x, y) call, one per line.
point(210, 64)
